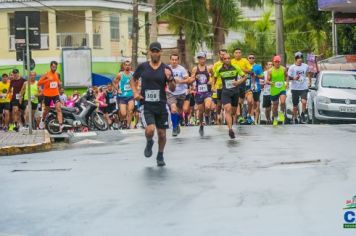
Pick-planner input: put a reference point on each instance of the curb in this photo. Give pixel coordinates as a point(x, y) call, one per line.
point(26, 149)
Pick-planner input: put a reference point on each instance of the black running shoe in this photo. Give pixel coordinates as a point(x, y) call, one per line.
point(160, 160)
point(175, 132)
point(232, 134)
point(201, 130)
point(178, 129)
point(148, 149)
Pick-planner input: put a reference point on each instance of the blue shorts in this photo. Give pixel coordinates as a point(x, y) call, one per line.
point(276, 97)
point(124, 100)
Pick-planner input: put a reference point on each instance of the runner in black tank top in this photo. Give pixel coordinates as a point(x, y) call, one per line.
point(201, 74)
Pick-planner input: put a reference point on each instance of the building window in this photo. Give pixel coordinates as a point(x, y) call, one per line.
point(130, 25)
point(114, 28)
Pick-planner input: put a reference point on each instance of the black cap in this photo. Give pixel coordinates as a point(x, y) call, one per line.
point(15, 71)
point(155, 46)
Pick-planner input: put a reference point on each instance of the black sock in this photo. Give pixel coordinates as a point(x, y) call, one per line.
point(160, 154)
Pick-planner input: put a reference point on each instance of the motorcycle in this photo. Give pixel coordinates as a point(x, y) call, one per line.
point(83, 116)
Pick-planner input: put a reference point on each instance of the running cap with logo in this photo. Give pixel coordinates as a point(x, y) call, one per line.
point(298, 55)
point(201, 54)
point(155, 46)
point(15, 71)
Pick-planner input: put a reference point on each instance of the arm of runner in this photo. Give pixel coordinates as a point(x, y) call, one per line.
point(186, 79)
point(42, 80)
point(269, 79)
point(22, 92)
point(170, 80)
point(117, 83)
point(133, 83)
point(192, 76)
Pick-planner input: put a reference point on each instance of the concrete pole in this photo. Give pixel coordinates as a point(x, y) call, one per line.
point(135, 36)
point(153, 21)
point(28, 77)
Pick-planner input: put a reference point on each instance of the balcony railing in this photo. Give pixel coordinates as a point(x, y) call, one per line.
point(72, 40)
point(44, 42)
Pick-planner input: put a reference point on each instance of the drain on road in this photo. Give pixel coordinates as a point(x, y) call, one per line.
point(42, 170)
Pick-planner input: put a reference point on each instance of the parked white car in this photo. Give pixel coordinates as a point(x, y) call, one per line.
point(333, 97)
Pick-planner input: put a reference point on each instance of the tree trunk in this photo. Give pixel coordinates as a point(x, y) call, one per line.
point(219, 33)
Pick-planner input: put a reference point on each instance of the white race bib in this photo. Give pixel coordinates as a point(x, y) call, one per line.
point(248, 82)
point(53, 85)
point(202, 88)
point(229, 84)
point(301, 80)
point(279, 84)
point(18, 96)
point(127, 87)
point(2, 95)
point(152, 96)
point(112, 100)
point(32, 97)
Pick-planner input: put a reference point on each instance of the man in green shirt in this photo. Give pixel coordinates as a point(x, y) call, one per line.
point(278, 79)
point(231, 76)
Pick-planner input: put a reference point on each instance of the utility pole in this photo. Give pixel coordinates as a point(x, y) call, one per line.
point(279, 30)
point(135, 29)
point(334, 34)
point(153, 21)
point(28, 77)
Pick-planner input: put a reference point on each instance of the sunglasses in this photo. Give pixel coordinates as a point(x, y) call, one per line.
point(251, 58)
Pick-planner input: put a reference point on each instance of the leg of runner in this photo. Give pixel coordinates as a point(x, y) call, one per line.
point(275, 105)
point(16, 117)
point(283, 107)
point(207, 106)
point(201, 109)
point(186, 110)
point(59, 115)
point(256, 106)
point(149, 132)
point(228, 118)
point(295, 101)
point(162, 139)
point(175, 119)
point(123, 112)
point(249, 99)
point(304, 106)
point(130, 109)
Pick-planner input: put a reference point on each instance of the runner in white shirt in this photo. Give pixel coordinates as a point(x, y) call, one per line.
point(179, 100)
point(267, 103)
point(299, 74)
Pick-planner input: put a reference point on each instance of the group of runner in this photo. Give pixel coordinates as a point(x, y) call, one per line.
point(169, 94)
point(14, 98)
point(168, 91)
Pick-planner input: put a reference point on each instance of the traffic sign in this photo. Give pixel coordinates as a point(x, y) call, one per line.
point(33, 27)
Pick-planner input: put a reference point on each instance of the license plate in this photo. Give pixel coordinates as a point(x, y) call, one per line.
point(348, 109)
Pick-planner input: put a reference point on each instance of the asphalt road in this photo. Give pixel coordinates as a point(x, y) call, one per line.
point(286, 180)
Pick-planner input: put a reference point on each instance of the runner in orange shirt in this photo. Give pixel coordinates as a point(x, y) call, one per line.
point(51, 83)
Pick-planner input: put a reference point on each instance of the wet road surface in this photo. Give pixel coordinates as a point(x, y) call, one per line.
point(288, 180)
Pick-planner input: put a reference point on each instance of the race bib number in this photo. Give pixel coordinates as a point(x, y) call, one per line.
point(248, 82)
point(229, 84)
point(127, 87)
point(53, 85)
point(18, 96)
point(112, 100)
point(152, 95)
point(202, 88)
point(32, 97)
point(279, 84)
point(2, 95)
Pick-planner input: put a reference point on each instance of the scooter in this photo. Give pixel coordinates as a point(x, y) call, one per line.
point(83, 116)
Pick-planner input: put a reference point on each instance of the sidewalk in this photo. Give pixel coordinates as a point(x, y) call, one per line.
point(13, 143)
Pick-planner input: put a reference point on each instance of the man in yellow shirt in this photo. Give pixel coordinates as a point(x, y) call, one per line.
point(5, 98)
point(217, 87)
point(246, 67)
